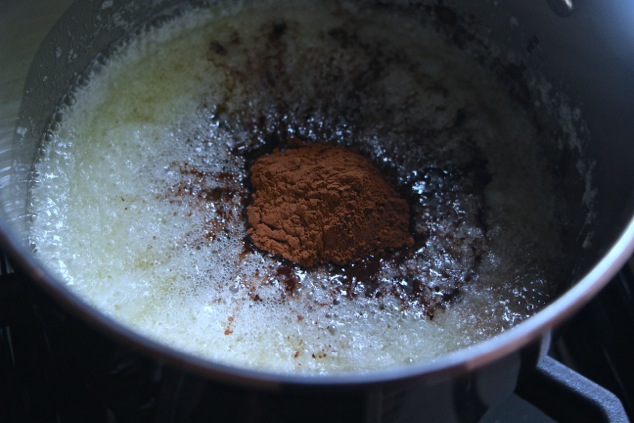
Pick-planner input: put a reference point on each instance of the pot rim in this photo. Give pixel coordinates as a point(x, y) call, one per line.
point(447, 366)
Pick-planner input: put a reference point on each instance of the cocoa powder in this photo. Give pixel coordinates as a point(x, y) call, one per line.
point(322, 203)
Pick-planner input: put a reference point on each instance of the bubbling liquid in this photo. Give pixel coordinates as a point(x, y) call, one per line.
point(139, 195)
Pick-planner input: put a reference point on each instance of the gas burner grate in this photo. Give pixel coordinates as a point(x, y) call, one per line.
point(597, 342)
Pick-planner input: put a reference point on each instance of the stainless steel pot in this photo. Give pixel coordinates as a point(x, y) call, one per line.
point(585, 50)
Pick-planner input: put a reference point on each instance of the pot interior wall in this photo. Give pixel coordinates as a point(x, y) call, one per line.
point(570, 69)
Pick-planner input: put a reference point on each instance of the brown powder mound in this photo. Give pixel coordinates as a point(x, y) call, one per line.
point(321, 203)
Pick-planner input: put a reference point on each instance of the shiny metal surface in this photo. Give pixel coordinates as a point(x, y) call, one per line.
point(589, 56)
point(24, 25)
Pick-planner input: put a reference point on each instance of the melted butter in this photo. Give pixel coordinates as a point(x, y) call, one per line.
point(139, 195)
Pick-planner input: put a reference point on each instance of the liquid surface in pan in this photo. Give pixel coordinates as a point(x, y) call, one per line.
point(140, 192)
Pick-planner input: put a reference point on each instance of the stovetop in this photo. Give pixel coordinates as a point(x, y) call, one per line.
point(596, 344)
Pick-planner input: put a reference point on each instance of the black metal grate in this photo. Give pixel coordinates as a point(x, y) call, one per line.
point(598, 341)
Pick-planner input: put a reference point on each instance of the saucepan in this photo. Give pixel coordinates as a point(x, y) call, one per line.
point(570, 63)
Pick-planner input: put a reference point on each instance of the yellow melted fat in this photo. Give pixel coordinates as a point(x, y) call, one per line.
point(118, 211)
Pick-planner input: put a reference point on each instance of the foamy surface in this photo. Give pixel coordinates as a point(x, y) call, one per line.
point(138, 200)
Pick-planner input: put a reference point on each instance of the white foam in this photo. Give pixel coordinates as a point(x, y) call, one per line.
point(109, 219)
